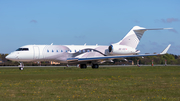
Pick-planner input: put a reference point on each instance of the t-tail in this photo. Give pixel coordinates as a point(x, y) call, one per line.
point(133, 37)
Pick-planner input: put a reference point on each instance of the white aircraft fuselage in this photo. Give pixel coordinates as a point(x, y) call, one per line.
point(62, 52)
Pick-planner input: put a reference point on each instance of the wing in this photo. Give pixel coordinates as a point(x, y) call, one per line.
point(114, 57)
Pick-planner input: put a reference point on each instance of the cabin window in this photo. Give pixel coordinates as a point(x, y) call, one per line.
point(79, 51)
point(61, 50)
point(75, 51)
point(52, 51)
point(56, 50)
point(47, 50)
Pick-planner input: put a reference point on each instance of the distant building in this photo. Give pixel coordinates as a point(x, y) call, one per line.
point(54, 63)
point(1, 60)
point(131, 62)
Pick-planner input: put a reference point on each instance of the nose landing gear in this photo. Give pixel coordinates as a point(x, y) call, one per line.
point(21, 66)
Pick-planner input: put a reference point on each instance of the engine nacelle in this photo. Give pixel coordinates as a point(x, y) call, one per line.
point(116, 49)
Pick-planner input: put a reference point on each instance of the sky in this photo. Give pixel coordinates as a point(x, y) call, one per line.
point(76, 22)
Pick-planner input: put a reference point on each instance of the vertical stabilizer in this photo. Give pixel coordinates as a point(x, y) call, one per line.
point(133, 37)
point(135, 34)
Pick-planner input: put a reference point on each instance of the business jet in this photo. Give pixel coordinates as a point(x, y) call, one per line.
point(84, 54)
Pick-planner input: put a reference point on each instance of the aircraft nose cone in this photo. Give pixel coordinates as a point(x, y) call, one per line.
point(10, 57)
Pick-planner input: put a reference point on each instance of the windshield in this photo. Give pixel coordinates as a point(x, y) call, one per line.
point(22, 49)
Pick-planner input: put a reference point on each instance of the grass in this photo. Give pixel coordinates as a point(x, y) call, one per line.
point(103, 84)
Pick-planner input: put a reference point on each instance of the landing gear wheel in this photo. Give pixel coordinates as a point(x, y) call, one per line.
point(83, 66)
point(21, 68)
point(95, 66)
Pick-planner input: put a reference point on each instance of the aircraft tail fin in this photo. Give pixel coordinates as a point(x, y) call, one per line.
point(134, 35)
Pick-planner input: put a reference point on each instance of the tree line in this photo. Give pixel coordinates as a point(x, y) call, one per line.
point(160, 59)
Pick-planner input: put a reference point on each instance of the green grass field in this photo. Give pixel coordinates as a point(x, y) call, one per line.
point(103, 84)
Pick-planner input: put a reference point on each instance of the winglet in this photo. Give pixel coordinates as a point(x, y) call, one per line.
point(165, 50)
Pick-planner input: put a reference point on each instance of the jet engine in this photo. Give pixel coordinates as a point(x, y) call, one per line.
point(116, 49)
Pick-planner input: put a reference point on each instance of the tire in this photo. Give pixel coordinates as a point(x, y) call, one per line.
point(21, 68)
point(83, 66)
point(95, 66)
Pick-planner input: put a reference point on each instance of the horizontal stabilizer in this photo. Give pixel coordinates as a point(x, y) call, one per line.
point(151, 29)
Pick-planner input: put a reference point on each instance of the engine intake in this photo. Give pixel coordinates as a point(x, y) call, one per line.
point(110, 48)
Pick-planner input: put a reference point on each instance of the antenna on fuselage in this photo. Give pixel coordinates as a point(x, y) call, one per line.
point(51, 43)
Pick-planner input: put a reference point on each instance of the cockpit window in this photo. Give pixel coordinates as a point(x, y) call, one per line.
point(22, 49)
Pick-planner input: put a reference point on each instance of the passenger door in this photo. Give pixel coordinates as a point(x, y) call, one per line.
point(36, 52)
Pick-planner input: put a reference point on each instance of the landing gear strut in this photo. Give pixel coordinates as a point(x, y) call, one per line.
point(21, 66)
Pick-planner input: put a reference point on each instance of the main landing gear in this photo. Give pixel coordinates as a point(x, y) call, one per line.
point(84, 66)
point(95, 66)
point(21, 66)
